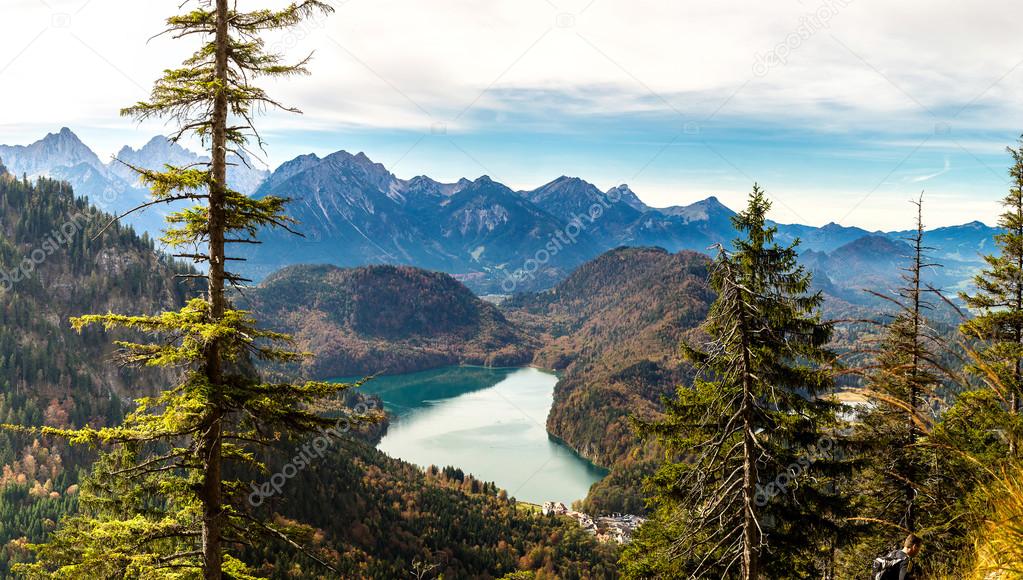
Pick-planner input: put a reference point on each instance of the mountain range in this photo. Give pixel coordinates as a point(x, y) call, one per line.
point(353, 211)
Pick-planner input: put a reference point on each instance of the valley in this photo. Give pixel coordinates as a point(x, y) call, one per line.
point(609, 325)
point(450, 364)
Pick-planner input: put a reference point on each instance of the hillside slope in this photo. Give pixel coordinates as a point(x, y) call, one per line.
point(52, 267)
point(613, 327)
point(385, 514)
point(55, 264)
point(385, 319)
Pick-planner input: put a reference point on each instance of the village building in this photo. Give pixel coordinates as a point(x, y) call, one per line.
point(616, 527)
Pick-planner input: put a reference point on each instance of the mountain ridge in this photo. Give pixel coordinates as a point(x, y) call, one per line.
point(113, 186)
point(356, 212)
point(384, 319)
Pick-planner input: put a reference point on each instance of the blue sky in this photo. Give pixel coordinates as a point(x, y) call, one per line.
point(842, 109)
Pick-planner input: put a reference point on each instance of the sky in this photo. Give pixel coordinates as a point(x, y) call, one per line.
point(843, 110)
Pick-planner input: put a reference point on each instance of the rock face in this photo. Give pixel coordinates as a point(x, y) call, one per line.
point(385, 319)
point(353, 211)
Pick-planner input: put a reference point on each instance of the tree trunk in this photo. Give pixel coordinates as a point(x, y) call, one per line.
point(1018, 371)
point(750, 525)
point(914, 377)
point(211, 494)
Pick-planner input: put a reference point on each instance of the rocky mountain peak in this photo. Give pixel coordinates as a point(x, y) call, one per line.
point(625, 193)
point(61, 149)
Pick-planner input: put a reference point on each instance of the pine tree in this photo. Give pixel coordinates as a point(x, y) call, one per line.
point(896, 488)
point(905, 377)
point(998, 305)
point(169, 499)
point(746, 490)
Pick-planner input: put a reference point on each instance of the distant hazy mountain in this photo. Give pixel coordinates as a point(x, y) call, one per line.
point(698, 226)
point(877, 262)
point(872, 262)
point(242, 173)
point(625, 193)
point(822, 239)
point(112, 185)
point(61, 149)
point(964, 243)
point(571, 198)
point(62, 155)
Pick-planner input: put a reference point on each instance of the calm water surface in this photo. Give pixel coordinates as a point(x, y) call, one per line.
point(488, 422)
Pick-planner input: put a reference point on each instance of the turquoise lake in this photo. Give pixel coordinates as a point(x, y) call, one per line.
point(489, 422)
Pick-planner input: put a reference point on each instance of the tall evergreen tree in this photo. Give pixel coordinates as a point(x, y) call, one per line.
point(168, 501)
point(998, 306)
point(894, 487)
point(745, 491)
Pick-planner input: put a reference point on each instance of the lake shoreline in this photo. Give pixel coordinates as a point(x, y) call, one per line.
point(487, 421)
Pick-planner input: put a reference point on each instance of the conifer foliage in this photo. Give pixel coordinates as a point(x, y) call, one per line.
point(997, 327)
point(167, 501)
point(740, 437)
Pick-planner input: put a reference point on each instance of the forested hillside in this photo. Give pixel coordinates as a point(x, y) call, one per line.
point(55, 263)
point(385, 515)
point(613, 328)
point(385, 319)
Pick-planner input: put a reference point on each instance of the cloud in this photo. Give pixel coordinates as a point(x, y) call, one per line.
point(408, 63)
point(931, 176)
